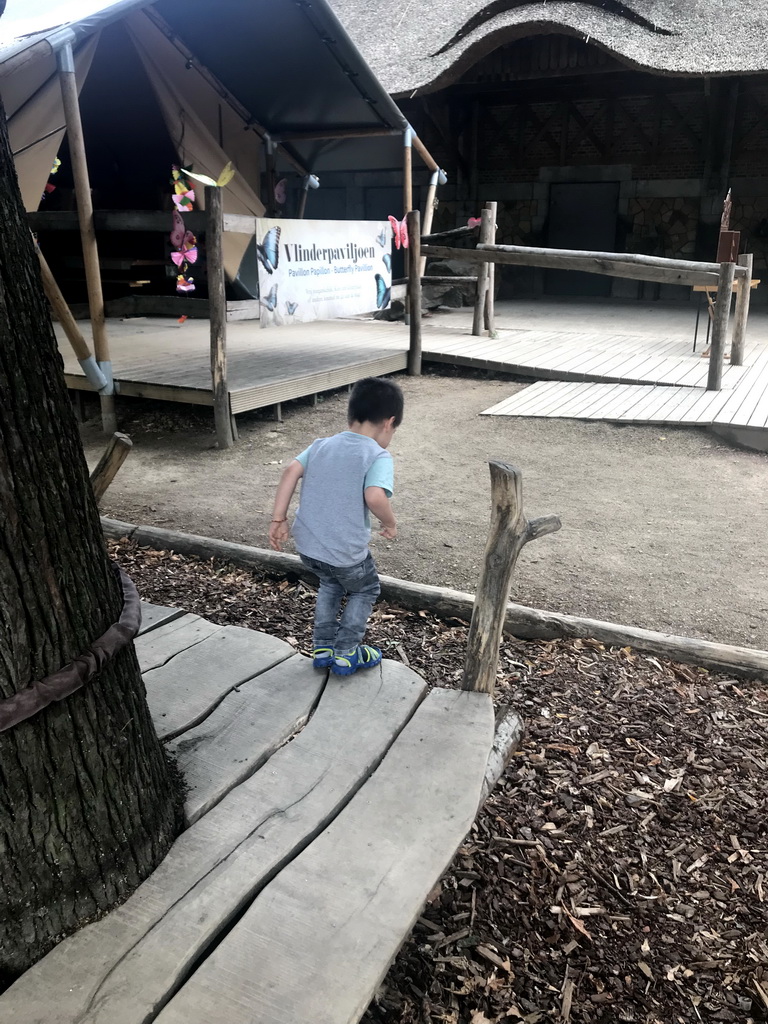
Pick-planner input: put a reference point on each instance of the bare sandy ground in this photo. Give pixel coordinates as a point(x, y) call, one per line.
point(661, 528)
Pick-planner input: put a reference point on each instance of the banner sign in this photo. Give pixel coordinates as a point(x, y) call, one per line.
point(322, 269)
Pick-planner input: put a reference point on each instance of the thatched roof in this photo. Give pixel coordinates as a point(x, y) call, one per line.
point(414, 45)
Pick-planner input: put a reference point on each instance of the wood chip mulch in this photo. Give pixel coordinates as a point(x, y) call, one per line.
point(619, 870)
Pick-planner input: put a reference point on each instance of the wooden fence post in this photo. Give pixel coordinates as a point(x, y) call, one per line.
point(486, 229)
point(118, 450)
point(489, 310)
point(413, 221)
point(510, 532)
point(720, 326)
point(217, 300)
point(743, 296)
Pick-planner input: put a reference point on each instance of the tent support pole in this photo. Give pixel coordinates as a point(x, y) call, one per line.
point(269, 162)
point(407, 200)
point(68, 82)
point(217, 300)
point(69, 326)
point(439, 177)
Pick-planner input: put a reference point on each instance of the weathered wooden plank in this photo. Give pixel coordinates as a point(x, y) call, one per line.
point(319, 939)
point(184, 690)
point(154, 615)
point(244, 731)
point(159, 645)
point(121, 970)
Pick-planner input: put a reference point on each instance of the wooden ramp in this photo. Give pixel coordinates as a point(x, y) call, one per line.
point(159, 358)
point(304, 864)
point(742, 405)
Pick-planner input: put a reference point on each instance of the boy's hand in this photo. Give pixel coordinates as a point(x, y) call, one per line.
point(389, 532)
point(278, 535)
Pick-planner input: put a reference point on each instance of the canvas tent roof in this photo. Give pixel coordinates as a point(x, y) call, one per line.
point(421, 47)
point(289, 66)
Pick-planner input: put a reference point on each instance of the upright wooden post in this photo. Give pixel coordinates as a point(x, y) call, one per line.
point(68, 82)
point(408, 170)
point(413, 221)
point(489, 309)
point(118, 450)
point(217, 300)
point(743, 295)
point(720, 326)
point(407, 199)
point(486, 234)
point(510, 532)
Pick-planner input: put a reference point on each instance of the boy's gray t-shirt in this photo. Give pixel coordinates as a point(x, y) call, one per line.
point(332, 522)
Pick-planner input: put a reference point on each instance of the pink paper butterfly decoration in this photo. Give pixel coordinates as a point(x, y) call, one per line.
point(399, 231)
point(183, 241)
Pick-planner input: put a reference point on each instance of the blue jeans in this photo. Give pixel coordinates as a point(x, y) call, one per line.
point(360, 584)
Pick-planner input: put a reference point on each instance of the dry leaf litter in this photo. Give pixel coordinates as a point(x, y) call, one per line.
point(619, 870)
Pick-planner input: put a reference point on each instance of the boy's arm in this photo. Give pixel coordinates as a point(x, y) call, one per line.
point(377, 501)
point(278, 528)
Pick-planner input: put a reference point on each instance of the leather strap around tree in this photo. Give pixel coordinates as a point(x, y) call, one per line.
point(77, 673)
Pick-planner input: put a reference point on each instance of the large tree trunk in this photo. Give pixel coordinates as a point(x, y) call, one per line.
point(87, 805)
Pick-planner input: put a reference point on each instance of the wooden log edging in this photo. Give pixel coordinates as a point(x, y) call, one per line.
point(520, 621)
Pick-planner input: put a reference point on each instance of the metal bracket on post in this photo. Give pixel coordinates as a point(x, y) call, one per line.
point(90, 368)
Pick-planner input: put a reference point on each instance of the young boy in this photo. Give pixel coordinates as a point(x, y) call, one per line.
point(343, 477)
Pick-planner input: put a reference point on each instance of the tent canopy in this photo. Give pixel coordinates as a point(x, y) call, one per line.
point(287, 65)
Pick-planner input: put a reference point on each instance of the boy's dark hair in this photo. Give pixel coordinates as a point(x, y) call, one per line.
point(374, 400)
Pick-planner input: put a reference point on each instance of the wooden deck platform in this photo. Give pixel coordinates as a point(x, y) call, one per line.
point(304, 864)
point(162, 359)
point(739, 410)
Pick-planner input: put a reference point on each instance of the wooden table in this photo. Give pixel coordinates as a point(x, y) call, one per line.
point(710, 290)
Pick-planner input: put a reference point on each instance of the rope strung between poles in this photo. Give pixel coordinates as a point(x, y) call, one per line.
point(77, 673)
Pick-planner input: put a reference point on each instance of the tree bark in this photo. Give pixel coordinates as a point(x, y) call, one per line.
point(88, 807)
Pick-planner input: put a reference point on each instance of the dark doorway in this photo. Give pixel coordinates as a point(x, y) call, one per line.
point(582, 216)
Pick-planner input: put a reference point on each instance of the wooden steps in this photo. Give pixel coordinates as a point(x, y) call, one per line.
point(327, 845)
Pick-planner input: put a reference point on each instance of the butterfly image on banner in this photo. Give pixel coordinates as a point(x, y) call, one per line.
point(221, 182)
point(291, 307)
point(386, 259)
point(269, 250)
point(281, 193)
point(270, 302)
point(474, 222)
point(185, 284)
point(383, 292)
point(399, 231)
point(381, 238)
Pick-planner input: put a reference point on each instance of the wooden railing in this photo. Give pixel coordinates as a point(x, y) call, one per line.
point(635, 266)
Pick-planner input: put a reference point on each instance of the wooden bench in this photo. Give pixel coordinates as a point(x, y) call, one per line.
point(304, 864)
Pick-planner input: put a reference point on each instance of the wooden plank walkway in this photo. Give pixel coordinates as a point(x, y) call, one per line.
point(742, 405)
point(576, 355)
point(305, 863)
point(162, 359)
